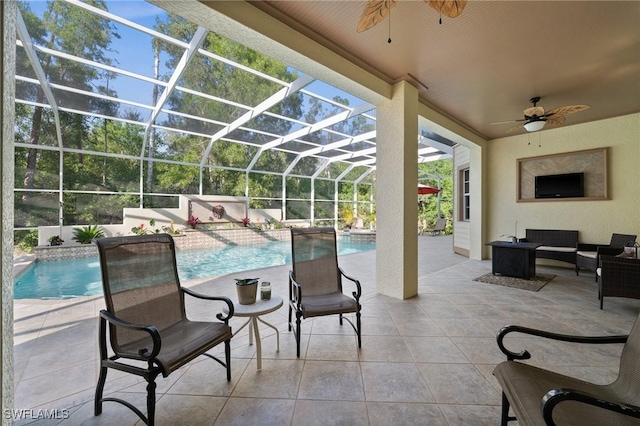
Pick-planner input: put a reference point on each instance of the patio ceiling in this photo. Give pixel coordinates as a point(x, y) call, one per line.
point(325, 139)
point(483, 66)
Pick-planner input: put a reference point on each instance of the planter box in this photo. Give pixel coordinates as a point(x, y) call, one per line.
point(189, 239)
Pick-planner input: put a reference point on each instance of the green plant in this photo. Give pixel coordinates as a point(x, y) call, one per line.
point(171, 230)
point(88, 233)
point(142, 230)
point(25, 241)
point(55, 240)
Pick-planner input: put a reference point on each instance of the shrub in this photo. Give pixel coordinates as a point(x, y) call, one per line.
point(88, 233)
point(25, 241)
point(55, 240)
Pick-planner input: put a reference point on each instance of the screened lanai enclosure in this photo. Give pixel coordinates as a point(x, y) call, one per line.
point(120, 104)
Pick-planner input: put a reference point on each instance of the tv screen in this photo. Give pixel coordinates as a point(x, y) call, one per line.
point(568, 185)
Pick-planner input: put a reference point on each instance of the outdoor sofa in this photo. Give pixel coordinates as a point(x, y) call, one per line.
point(556, 244)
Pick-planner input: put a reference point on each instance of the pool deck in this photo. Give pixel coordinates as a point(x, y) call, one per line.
point(425, 360)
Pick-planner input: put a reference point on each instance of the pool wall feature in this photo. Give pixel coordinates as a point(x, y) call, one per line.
point(187, 240)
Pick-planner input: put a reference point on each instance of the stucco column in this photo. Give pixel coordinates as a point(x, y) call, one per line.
point(7, 65)
point(396, 192)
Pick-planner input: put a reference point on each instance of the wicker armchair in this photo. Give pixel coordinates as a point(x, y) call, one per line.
point(146, 316)
point(315, 283)
point(620, 277)
point(543, 397)
point(588, 255)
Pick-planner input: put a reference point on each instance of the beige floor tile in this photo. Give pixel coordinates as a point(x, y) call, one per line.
point(418, 327)
point(380, 326)
point(477, 415)
point(385, 349)
point(256, 411)
point(322, 413)
point(385, 413)
point(333, 347)
point(331, 380)
point(459, 384)
point(279, 378)
point(389, 382)
point(434, 349)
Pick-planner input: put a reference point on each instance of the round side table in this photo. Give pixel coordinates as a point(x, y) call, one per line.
point(253, 312)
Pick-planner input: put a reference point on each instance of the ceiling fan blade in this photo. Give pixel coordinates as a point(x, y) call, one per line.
point(555, 120)
point(509, 121)
point(449, 8)
point(519, 126)
point(567, 109)
point(531, 111)
point(375, 12)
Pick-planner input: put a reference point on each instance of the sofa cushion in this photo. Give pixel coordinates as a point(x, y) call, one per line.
point(558, 249)
point(589, 254)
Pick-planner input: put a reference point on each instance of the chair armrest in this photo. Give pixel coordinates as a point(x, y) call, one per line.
point(556, 396)
point(295, 290)
point(609, 251)
point(549, 335)
point(207, 297)
point(588, 247)
point(358, 291)
point(152, 330)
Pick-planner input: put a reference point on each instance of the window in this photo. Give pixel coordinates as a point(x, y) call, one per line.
point(464, 195)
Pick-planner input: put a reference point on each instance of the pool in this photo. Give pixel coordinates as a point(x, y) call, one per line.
point(81, 277)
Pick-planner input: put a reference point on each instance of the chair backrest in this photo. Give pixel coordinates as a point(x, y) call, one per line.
point(628, 382)
point(315, 260)
point(619, 240)
point(140, 283)
point(440, 224)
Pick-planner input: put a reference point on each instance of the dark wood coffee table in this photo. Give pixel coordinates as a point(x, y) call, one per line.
point(513, 259)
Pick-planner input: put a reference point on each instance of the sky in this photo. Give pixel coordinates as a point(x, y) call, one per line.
point(132, 51)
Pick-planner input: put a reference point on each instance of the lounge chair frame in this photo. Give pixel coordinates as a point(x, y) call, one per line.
point(303, 293)
point(150, 350)
point(604, 397)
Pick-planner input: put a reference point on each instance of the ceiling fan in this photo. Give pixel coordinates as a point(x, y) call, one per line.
point(535, 117)
point(377, 10)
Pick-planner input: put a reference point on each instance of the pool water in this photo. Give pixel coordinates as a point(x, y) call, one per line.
point(81, 277)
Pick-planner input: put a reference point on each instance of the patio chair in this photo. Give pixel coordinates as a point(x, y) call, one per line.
point(438, 228)
point(145, 311)
point(620, 277)
point(588, 255)
point(543, 397)
point(315, 283)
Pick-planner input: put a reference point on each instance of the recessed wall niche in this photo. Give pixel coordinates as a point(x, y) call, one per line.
point(591, 162)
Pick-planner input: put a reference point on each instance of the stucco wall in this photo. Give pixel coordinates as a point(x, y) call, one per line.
point(596, 220)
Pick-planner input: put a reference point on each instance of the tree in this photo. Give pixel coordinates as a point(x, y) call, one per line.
point(219, 79)
point(75, 31)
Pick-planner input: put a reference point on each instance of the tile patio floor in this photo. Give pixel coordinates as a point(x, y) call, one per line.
point(426, 361)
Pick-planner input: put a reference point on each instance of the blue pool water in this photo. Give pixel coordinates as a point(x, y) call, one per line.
point(81, 277)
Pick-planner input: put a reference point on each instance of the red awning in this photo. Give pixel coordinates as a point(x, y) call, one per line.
point(426, 190)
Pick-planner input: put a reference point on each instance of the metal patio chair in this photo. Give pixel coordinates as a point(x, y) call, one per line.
point(315, 282)
point(543, 397)
point(620, 277)
point(588, 255)
point(145, 312)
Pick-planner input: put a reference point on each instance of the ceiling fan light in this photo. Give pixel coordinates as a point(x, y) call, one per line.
point(534, 126)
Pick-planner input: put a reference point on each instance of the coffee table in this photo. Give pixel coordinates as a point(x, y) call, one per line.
point(253, 312)
point(513, 259)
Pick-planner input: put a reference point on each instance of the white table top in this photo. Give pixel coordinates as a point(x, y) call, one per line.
point(261, 307)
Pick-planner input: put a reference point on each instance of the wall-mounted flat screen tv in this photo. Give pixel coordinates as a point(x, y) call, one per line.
point(568, 185)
